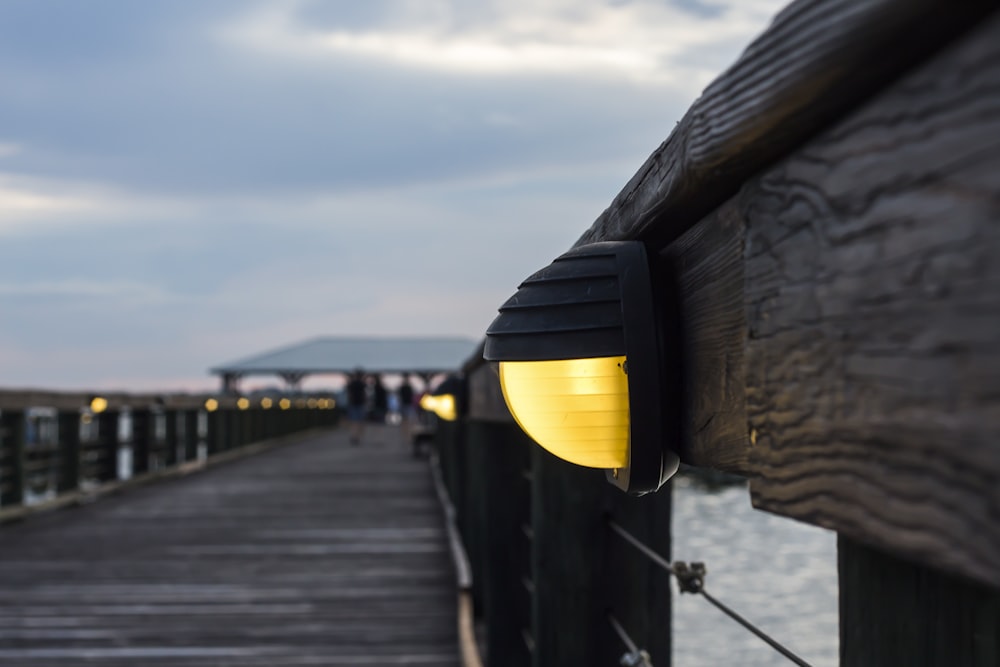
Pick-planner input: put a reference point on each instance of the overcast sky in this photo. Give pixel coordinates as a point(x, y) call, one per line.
point(185, 183)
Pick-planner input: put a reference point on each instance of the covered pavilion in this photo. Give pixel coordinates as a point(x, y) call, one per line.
point(424, 357)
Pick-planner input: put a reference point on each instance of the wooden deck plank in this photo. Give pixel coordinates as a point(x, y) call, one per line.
point(314, 553)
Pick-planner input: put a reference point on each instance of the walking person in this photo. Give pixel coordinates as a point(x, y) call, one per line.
point(407, 411)
point(380, 400)
point(357, 402)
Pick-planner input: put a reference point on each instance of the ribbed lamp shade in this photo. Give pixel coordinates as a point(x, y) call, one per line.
point(578, 354)
point(571, 309)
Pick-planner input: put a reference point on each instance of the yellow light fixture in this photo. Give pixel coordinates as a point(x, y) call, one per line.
point(284, 404)
point(442, 406)
point(98, 404)
point(266, 403)
point(575, 408)
point(211, 405)
point(587, 354)
point(447, 400)
point(312, 403)
point(243, 403)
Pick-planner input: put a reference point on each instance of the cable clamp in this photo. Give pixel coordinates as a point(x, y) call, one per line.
point(636, 659)
point(690, 578)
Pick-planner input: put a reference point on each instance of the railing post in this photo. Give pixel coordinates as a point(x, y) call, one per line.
point(204, 433)
point(568, 506)
point(69, 451)
point(191, 438)
point(505, 520)
point(235, 418)
point(638, 594)
point(213, 435)
point(12, 431)
point(141, 437)
point(895, 612)
point(173, 444)
point(106, 468)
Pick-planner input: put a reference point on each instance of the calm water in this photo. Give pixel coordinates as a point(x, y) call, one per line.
point(778, 573)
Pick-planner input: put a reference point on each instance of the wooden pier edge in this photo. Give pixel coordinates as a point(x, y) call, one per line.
point(77, 498)
point(468, 648)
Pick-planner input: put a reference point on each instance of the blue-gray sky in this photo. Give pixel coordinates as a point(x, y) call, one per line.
point(187, 182)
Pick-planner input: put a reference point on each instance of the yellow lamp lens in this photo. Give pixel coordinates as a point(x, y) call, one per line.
point(575, 408)
point(211, 405)
point(284, 404)
point(443, 406)
point(243, 403)
point(98, 405)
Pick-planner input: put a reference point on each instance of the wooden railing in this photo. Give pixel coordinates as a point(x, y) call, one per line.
point(829, 210)
point(59, 448)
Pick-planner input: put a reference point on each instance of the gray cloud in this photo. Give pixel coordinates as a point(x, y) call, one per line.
point(187, 182)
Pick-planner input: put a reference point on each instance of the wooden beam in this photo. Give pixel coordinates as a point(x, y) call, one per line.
point(817, 61)
point(873, 343)
point(707, 261)
point(841, 323)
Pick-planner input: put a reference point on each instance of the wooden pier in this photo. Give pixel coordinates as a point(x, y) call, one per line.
point(312, 553)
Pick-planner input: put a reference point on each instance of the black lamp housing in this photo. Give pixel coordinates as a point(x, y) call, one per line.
point(600, 300)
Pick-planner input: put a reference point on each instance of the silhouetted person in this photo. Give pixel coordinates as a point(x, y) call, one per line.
point(380, 400)
point(357, 402)
point(407, 410)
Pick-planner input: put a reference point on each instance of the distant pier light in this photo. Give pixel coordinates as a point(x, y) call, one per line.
point(98, 404)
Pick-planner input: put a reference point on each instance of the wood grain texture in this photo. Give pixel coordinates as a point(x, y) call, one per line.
point(567, 506)
point(707, 261)
point(818, 60)
point(317, 553)
point(873, 351)
point(893, 612)
point(503, 454)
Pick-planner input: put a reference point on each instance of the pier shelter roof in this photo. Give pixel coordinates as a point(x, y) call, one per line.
point(333, 354)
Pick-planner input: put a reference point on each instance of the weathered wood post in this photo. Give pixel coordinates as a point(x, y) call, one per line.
point(896, 612)
point(12, 432)
point(636, 591)
point(246, 419)
point(69, 451)
point(142, 440)
point(215, 436)
point(568, 533)
point(106, 449)
point(174, 437)
point(502, 453)
point(188, 427)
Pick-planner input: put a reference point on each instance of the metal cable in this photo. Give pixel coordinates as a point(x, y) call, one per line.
point(620, 631)
point(635, 657)
point(691, 579)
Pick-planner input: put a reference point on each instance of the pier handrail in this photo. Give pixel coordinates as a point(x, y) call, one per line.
point(827, 211)
point(463, 571)
point(56, 450)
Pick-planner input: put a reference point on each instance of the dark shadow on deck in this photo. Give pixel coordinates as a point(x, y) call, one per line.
point(317, 553)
